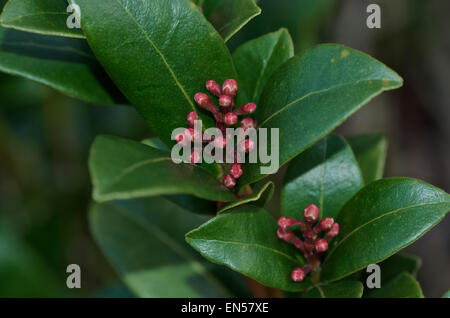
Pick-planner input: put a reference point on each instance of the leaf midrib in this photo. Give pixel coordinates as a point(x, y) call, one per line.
point(176, 248)
point(377, 218)
point(248, 244)
point(163, 58)
point(312, 93)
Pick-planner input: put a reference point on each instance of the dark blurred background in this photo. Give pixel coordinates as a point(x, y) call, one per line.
point(45, 138)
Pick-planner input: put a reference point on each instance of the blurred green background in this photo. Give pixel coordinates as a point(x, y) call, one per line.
point(45, 139)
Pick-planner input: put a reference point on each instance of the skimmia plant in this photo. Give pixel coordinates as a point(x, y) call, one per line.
point(196, 229)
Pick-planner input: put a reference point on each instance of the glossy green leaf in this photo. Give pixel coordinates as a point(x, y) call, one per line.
point(311, 94)
point(144, 240)
point(403, 286)
point(124, 169)
point(370, 152)
point(326, 174)
point(257, 59)
point(381, 219)
point(260, 196)
point(40, 16)
point(229, 16)
point(245, 240)
point(397, 264)
point(159, 55)
point(342, 289)
point(64, 64)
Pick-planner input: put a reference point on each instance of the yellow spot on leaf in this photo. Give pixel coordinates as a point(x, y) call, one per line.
point(385, 82)
point(332, 60)
point(345, 53)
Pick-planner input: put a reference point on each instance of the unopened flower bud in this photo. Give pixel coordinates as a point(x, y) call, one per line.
point(286, 222)
point(191, 117)
point(193, 135)
point(247, 123)
point(247, 145)
point(230, 119)
point(285, 235)
point(326, 224)
point(194, 156)
point(230, 87)
point(236, 170)
point(229, 181)
point(225, 101)
point(205, 102)
point(298, 275)
point(311, 213)
point(321, 245)
point(246, 109)
point(181, 139)
point(214, 88)
point(333, 232)
point(220, 142)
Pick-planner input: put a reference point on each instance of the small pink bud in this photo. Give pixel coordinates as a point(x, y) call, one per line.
point(333, 232)
point(247, 123)
point(181, 139)
point(311, 213)
point(326, 224)
point(192, 135)
point(230, 119)
point(194, 156)
point(225, 101)
point(214, 88)
point(286, 222)
point(230, 87)
point(246, 109)
point(321, 245)
point(236, 170)
point(229, 181)
point(191, 117)
point(247, 145)
point(298, 275)
point(220, 142)
point(205, 102)
point(286, 235)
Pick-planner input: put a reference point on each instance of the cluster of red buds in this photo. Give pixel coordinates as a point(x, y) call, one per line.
point(315, 238)
point(225, 116)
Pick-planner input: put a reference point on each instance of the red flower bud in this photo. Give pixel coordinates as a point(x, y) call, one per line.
point(333, 232)
point(298, 275)
point(246, 109)
point(191, 117)
point(230, 87)
point(286, 235)
point(247, 123)
point(286, 222)
point(229, 181)
point(247, 145)
point(181, 139)
point(321, 245)
point(236, 170)
point(326, 224)
point(311, 213)
point(192, 135)
point(205, 102)
point(214, 88)
point(194, 156)
point(220, 142)
point(230, 119)
point(225, 101)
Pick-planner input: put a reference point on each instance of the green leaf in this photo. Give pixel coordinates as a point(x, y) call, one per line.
point(245, 240)
point(381, 219)
point(256, 60)
point(326, 174)
point(64, 64)
point(403, 286)
point(43, 16)
point(125, 169)
point(311, 94)
point(229, 16)
point(159, 55)
point(260, 196)
point(447, 294)
point(342, 289)
point(370, 152)
point(144, 240)
point(397, 264)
